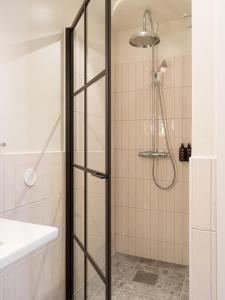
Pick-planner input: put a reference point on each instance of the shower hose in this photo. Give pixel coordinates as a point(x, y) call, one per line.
point(171, 157)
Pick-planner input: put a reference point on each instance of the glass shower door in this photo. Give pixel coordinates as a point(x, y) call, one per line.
point(88, 237)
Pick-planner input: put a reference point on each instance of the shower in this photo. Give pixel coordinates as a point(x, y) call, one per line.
point(149, 39)
point(145, 38)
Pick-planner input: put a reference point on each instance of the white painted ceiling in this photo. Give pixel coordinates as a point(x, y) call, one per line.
point(129, 13)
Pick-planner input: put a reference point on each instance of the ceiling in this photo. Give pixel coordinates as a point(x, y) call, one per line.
point(129, 13)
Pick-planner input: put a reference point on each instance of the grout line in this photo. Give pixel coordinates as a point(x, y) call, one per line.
point(32, 203)
point(204, 230)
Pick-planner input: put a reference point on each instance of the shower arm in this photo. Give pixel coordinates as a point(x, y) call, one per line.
point(147, 13)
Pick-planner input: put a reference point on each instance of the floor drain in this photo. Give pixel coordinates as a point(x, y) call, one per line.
point(145, 277)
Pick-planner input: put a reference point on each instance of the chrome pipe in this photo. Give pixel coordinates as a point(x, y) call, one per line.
point(153, 154)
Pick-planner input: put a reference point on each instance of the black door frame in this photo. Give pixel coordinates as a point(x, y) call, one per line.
point(70, 237)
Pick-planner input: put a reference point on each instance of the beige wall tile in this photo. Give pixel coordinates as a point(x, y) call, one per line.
point(187, 70)
point(169, 94)
point(122, 243)
point(168, 252)
point(147, 75)
point(132, 76)
point(178, 133)
point(132, 105)
point(132, 134)
point(139, 166)
point(178, 105)
point(139, 134)
point(178, 254)
point(139, 195)
point(157, 220)
point(154, 250)
point(179, 228)
point(121, 220)
point(122, 189)
point(181, 197)
point(118, 80)
point(187, 130)
point(147, 134)
point(187, 103)
point(179, 71)
point(139, 105)
point(147, 194)
point(170, 227)
point(125, 135)
point(132, 222)
point(142, 247)
point(147, 169)
point(139, 75)
point(131, 246)
point(170, 73)
point(131, 192)
point(125, 71)
point(154, 197)
point(154, 220)
point(147, 95)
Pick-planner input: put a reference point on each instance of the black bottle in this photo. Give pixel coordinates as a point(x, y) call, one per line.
point(188, 150)
point(182, 153)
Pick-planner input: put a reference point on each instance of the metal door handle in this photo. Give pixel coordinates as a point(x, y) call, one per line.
point(99, 175)
point(3, 144)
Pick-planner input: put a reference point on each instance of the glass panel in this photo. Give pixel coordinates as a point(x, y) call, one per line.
point(79, 129)
point(96, 220)
point(78, 273)
point(79, 204)
point(95, 38)
point(96, 126)
point(78, 36)
point(95, 286)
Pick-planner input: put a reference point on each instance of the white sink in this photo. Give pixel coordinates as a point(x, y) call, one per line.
point(18, 239)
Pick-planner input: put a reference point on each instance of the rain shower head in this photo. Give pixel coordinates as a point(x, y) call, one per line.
point(145, 38)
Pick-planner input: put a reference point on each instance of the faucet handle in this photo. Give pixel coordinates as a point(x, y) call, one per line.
point(3, 144)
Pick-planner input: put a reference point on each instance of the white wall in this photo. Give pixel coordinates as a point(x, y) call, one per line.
point(204, 79)
point(32, 74)
point(32, 120)
point(220, 42)
point(207, 165)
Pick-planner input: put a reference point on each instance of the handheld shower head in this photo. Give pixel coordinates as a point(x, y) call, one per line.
point(163, 67)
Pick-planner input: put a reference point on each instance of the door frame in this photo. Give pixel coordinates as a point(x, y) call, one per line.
point(70, 142)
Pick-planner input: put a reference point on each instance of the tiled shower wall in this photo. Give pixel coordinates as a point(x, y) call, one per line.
point(150, 222)
point(40, 275)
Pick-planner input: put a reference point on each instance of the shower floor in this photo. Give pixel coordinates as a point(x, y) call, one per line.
point(136, 278)
point(139, 279)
